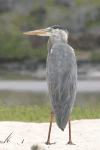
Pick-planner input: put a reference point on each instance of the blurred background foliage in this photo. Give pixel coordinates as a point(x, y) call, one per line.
point(80, 17)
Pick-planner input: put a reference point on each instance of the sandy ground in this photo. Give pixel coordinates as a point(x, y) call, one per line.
point(85, 135)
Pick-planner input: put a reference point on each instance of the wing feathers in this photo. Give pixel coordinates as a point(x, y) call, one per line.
point(61, 79)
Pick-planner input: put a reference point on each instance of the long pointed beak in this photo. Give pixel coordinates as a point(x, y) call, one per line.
point(41, 32)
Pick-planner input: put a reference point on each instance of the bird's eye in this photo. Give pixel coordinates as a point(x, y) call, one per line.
point(50, 29)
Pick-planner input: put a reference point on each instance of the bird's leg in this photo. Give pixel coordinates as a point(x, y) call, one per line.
point(70, 141)
point(52, 115)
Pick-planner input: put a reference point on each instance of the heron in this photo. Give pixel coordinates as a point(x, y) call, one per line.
point(61, 75)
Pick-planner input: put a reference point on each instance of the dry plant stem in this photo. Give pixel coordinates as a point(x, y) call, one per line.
point(7, 139)
point(52, 115)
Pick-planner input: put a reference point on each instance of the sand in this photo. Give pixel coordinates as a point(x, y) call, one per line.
point(85, 135)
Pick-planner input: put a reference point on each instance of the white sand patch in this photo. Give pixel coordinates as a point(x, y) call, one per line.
point(85, 135)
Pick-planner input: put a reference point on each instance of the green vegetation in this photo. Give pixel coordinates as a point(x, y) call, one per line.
point(50, 4)
point(92, 24)
point(25, 113)
point(42, 114)
point(35, 107)
point(87, 2)
point(13, 44)
point(86, 113)
point(63, 8)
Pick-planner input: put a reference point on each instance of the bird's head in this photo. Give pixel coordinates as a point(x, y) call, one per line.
point(55, 32)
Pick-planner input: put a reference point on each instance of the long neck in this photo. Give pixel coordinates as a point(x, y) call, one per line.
point(56, 38)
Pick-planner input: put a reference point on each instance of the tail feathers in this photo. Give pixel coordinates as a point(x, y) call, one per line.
point(62, 129)
point(63, 119)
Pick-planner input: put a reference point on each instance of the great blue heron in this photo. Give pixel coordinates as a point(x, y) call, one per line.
point(61, 75)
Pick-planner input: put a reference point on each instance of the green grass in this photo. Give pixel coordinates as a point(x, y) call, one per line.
point(42, 114)
point(86, 113)
point(25, 113)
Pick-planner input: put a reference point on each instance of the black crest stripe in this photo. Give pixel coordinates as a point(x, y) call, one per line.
point(56, 27)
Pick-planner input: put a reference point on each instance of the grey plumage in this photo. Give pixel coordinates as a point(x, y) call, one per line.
point(61, 79)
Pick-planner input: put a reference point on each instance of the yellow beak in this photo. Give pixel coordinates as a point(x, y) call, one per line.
point(40, 32)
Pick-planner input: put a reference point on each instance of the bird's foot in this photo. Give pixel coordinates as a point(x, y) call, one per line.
point(48, 143)
point(70, 143)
